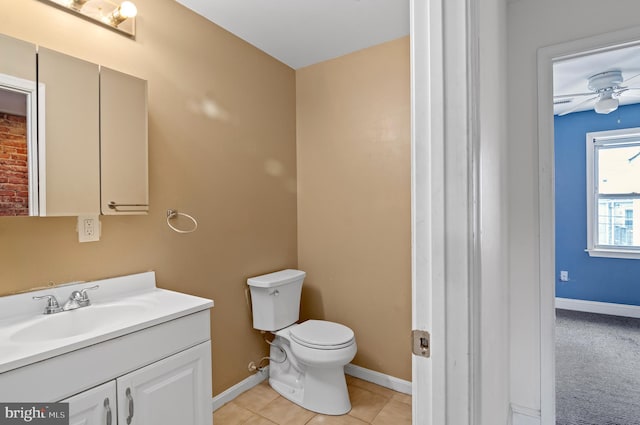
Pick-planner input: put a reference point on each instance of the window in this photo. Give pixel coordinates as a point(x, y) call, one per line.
point(613, 193)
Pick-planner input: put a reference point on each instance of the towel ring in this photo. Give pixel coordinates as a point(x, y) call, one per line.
point(173, 214)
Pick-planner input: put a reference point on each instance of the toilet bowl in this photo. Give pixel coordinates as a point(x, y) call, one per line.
point(323, 387)
point(307, 359)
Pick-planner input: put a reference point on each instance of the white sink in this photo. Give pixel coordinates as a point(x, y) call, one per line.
point(118, 307)
point(73, 323)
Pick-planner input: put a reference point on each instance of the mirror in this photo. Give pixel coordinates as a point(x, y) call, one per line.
point(18, 147)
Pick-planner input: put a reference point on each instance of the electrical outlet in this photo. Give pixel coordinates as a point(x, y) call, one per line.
point(564, 276)
point(88, 228)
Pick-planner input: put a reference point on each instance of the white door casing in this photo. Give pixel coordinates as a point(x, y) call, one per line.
point(423, 393)
point(442, 210)
point(546, 57)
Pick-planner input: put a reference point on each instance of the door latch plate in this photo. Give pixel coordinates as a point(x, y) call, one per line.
point(421, 343)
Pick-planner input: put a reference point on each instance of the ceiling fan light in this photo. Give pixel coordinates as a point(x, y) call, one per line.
point(606, 105)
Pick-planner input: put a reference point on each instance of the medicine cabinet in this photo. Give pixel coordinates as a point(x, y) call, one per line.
point(90, 153)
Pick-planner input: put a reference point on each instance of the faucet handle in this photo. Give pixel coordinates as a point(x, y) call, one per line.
point(52, 304)
point(84, 298)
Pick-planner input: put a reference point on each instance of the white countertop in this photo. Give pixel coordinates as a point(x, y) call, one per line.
point(120, 305)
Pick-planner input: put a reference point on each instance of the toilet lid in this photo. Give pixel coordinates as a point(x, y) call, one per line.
point(322, 334)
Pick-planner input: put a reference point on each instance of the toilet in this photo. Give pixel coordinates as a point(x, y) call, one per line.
point(306, 359)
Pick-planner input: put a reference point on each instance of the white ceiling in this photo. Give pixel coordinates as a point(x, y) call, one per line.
point(304, 32)
point(571, 76)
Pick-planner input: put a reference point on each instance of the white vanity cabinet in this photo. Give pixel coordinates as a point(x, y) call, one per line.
point(175, 390)
point(144, 358)
point(96, 406)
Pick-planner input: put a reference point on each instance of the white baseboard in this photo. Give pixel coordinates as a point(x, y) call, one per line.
point(230, 393)
point(378, 378)
point(599, 307)
point(524, 416)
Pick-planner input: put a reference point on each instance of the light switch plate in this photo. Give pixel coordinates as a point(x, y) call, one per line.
point(88, 228)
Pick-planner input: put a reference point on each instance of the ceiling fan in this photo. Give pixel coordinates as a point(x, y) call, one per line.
point(606, 89)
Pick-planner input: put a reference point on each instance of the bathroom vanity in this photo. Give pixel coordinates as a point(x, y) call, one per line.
point(137, 354)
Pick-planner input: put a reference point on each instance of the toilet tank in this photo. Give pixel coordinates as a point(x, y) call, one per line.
point(275, 299)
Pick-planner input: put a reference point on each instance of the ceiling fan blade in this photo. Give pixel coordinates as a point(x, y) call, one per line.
point(628, 92)
point(629, 79)
point(559, 96)
point(629, 96)
point(578, 106)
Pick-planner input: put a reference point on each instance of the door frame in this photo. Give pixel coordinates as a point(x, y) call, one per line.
point(444, 214)
point(426, 126)
point(546, 155)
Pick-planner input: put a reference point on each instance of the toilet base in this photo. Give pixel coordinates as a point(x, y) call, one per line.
point(324, 391)
point(321, 390)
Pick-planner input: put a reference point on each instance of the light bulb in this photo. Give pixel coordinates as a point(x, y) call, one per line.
point(123, 12)
point(76, 4)
point(128, 9)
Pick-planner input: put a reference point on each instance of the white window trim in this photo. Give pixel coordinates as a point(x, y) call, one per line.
point(592, 248)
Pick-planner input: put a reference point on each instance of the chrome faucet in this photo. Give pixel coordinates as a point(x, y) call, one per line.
point(73, 302)
point(84, 298)
point(52, 304)
point(76, 300)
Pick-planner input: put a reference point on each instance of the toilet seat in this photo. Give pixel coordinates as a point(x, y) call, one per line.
point(322, 335)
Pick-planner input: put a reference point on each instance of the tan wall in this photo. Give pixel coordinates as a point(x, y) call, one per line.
point(235, 171)
point(353, 148)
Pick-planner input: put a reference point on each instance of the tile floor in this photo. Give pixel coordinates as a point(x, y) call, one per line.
point(370, 404)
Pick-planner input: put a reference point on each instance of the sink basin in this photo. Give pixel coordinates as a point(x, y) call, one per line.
point(73, 323)
point(121, 306)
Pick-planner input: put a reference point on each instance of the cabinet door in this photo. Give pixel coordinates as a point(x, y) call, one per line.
point(96, 406)
point(176, 390)
point(68, 135)
point(19, 58)
point(123, 143)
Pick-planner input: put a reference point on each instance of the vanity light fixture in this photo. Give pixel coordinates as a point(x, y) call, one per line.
point(76, 4)
point(109, 13)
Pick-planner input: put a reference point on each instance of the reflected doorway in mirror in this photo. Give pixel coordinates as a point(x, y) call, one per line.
point(18, 147)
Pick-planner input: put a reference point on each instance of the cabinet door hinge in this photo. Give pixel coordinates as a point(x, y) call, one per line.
point(421, 343)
